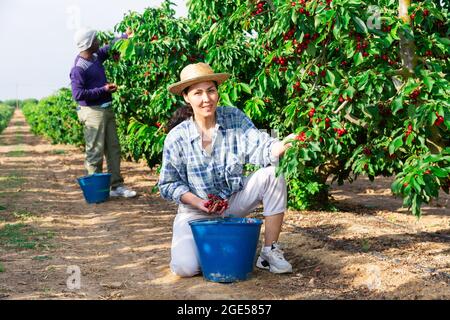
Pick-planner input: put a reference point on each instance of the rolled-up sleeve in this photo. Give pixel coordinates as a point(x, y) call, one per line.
point(171, 184)
point(258, 144)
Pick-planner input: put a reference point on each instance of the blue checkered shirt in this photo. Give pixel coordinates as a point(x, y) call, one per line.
point(187, 167)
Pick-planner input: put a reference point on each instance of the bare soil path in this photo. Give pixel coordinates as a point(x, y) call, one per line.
point(371, 249)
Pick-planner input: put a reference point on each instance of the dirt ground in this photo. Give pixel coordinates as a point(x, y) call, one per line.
point(371, 249)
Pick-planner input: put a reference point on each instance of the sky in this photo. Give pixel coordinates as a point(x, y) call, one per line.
point(37, 48)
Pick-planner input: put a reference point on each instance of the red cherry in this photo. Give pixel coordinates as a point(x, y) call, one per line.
point(301, 136)
point(439, 121)
point(116, 57)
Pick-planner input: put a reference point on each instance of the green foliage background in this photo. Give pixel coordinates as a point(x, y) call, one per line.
point(322, 69)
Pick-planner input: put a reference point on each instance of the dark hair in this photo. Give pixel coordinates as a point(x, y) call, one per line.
point(182, 113)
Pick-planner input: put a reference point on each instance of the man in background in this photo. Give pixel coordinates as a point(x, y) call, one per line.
point(93, 94)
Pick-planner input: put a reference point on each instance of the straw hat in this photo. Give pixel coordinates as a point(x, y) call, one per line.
point(195, 73)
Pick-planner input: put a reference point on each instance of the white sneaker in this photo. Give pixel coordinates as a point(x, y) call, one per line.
point(122, 192)
point(273, 260)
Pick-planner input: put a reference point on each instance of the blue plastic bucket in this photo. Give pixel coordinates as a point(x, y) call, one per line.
point(227, 247)
point(95, 187)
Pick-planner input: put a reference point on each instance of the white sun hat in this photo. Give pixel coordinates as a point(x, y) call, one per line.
point(84, 38)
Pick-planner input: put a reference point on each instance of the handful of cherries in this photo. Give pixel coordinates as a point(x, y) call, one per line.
point(216, 201)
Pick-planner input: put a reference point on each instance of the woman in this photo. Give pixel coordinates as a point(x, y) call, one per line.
point(204, 155)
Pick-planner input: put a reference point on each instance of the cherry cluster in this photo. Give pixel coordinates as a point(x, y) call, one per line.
point(297, 86)
point(367, 151)
point(409, 130)
point(260, 8)
point(415, 94)
point(340, 132)
point(383, 110)
point(215, 200)
point(385, 58)
point(282, 62)
point(307, 38)
point(342, 99)
point(439, 120)
point(301, 137)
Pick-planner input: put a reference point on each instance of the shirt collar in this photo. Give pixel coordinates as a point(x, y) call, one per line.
point(193, 131)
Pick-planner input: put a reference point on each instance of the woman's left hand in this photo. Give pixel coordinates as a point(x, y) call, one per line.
point(288, 140)
point(221, 211)
point(280, 148)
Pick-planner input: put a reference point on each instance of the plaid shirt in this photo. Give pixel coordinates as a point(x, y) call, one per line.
point(187, 167)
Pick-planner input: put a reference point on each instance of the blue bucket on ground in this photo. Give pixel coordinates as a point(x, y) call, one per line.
point(95, 187)
point(227, 247)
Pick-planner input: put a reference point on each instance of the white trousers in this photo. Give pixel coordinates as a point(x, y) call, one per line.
point(261, 186)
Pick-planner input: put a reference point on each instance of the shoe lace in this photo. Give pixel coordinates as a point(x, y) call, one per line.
point(277, 252)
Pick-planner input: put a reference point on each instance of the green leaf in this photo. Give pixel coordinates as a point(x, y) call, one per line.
point(363, 79)
point(433, 158)
point(439, 172)
point(395, 144)
point(358, 58)
point(226, 99)
point(246, 88)
point(428, 81)
point(445, 41)
point(350, 92)
point(397, 104)
point(294, 16)
point(317, 21)
point(396, 187)
point(361, 26)
point(337, 30)
point(330, 77)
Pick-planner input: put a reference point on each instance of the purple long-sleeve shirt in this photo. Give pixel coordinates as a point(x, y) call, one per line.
point(88, 79)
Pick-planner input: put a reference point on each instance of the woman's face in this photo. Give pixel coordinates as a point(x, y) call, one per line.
point(203, 98)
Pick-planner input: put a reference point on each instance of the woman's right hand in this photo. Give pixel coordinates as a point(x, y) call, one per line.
point(202, 205)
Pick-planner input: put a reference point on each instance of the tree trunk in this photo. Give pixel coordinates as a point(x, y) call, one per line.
point(407, 46)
